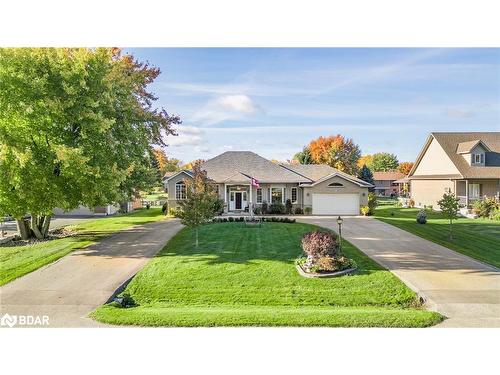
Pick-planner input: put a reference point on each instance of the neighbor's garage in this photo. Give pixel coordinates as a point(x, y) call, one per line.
point(335, 204)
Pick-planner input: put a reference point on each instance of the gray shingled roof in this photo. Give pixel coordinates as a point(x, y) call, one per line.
point(239, 166)
point(311, 171)
point(450, 144)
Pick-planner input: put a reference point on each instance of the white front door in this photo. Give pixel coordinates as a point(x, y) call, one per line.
point(335, 204)
point(237, 200)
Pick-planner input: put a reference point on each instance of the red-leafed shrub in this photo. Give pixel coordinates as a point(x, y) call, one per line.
point(319, 244)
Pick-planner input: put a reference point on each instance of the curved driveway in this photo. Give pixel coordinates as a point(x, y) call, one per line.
point(464, 290)
point(70, 288)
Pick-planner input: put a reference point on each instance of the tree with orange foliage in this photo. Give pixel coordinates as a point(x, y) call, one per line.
point(336, 151)
point(405, 167)
point(365, 160)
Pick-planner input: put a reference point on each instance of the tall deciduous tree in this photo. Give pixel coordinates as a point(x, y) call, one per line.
point(76, 127)
point(304, 156)
point(200, 203)
point(365, 160)
point(383, 162)
point(449, 206)
point(405, 167)
point(337, 151)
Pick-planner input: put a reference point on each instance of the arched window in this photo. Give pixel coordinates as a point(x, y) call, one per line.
point(336, 185)
point(180, 190)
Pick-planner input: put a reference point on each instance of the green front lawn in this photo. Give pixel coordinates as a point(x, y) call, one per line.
point(17, 261)
point(477, 238)
point(240, 276)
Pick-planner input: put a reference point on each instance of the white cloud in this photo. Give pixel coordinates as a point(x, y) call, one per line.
point(460, 113)
point(226, 108)
point(187, 136)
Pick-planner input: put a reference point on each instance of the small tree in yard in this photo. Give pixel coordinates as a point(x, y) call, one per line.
point(201, 200)
point(449, 207)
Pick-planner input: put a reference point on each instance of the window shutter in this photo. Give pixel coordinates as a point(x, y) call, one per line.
point(482, 158)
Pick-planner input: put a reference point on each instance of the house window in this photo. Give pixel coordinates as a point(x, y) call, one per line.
point(474, 191)
point(277, 195)
point(259, 195)
point(336, 184)
point(477, 158)
point(217, 189)
point(294, 195)
point(180, 190)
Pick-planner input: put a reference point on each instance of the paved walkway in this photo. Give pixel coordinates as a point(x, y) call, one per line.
point(464, 290)
point(70, 288)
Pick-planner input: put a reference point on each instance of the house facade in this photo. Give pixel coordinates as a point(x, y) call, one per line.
point(322, 189)
point(385, 183)
point(466, 164)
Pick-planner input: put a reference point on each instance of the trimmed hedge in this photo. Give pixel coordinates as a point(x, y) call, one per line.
point(272, 219)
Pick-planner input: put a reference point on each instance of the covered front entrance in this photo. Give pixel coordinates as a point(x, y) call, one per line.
point(238, 200)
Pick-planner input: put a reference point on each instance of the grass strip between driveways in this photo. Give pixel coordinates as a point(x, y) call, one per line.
point(246, 276)
point(17, 261)
point(476, 238)
point(267, 316)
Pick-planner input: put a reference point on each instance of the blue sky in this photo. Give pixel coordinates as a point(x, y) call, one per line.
point(275, 100)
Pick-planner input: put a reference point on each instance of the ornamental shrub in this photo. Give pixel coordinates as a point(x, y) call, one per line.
point(319, 244)
point(264, 208)
point(422, 217)
point(411, 203)
point(365, 210)
point(277, 208)
point(298, 211)
point(257, 210)
point(288, 207)
point(372, 203)
point(307, 210)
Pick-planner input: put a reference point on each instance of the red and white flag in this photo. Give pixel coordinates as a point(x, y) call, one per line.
point(255, 183)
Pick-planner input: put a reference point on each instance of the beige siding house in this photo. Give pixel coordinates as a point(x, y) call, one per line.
point(466, 164)
point(325, 190)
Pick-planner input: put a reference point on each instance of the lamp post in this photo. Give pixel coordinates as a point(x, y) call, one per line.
point(339, 222)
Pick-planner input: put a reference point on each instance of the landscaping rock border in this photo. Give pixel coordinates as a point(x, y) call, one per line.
point(303, 273)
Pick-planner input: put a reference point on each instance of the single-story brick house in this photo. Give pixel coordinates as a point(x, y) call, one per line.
point(325, 190)
point(466, 164)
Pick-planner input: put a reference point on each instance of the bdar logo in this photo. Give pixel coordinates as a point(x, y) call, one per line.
point(8, 320)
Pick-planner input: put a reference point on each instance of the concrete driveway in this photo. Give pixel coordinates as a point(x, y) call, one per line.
point(464, 290)
point(69, 289)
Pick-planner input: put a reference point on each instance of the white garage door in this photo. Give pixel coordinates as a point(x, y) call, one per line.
point(335, 204)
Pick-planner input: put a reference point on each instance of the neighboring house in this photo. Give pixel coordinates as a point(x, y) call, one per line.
point(466, 164)
point(109, 209)
point(385, 183)
point(325, 190)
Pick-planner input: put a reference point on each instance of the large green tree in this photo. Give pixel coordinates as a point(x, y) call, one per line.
point(76, 127)
point(304, 156)
point(383, 162)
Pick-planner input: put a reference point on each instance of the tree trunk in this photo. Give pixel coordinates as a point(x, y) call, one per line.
point(23, 228)
point(45, 226)
point(451, 234)
point(35, 226)
point(38, 227)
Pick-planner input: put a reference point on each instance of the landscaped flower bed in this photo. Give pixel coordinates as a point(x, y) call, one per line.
point(323, 256)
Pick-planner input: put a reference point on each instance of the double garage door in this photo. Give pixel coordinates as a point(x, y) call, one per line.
point(335, 204)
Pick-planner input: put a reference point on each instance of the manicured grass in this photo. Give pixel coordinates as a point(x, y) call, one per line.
point(17, 261)
point(246, 276)
point(477, 238)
